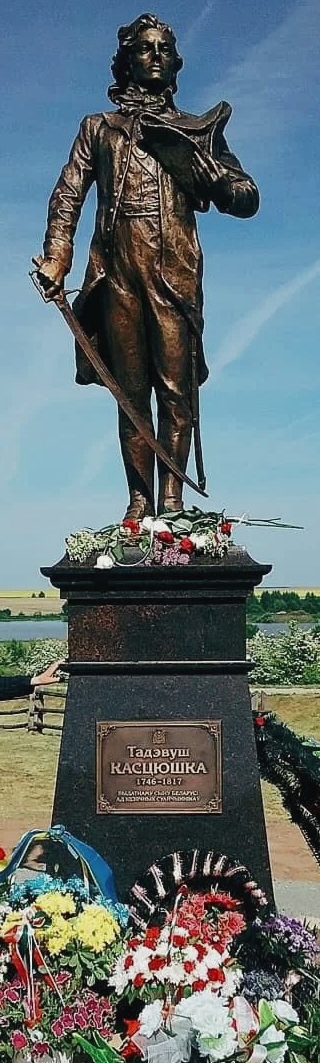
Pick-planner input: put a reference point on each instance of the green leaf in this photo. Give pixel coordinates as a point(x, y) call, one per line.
point(266, 1015)
point(183, 526)
point(118, 552)
point(98, 1055)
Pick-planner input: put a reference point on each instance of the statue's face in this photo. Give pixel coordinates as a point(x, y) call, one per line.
point(152, 58)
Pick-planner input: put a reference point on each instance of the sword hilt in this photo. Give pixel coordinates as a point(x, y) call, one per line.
point(33, 274)
point(60, 297)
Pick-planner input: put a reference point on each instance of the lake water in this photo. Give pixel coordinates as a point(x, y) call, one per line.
point(22, 630)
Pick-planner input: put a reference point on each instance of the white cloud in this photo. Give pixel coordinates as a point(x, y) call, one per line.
point(246, 328)
point(275, 85)
point(195, 26)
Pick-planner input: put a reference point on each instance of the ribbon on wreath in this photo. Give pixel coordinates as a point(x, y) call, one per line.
point(26, 955)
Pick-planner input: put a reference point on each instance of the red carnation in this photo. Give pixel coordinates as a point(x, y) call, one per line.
point(134, 943)
point(189, 965)
point(57, 1028)
point(128, 962)
point(19, 1040)
point(139, 981)
point(179, 940)
point(260, 721)
point(11, 995)
point(80, 1020)
point(165, 537)
point(186, 545)
point(41, 1048)
point(156, 963)
point(133, 526)
point(215, 975)
point(62, 977)
point(200, 950)
point(226, 527)
point(152, 936)
point(198, 985)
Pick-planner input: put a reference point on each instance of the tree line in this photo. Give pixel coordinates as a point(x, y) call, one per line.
point(267, 604)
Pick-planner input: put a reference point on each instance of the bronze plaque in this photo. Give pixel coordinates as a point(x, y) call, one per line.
point(159, 766)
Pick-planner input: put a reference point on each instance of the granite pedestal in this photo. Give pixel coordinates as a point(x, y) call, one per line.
point(163, 648)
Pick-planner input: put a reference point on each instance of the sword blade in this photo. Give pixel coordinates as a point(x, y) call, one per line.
point(110, 383)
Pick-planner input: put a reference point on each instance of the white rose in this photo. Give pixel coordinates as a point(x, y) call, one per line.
point(151, 1018)
point(276, 1038)
point(160, 525)
point(104, 561)
point(199, 541)
point(147, 524)
point(284, 1011)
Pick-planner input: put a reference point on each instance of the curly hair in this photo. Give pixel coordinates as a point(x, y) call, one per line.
point(127, 36)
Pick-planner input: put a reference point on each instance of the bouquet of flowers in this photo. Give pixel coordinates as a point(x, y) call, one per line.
point(57, 946)
point(171, 539)
point(205, 979)
point(199, 995)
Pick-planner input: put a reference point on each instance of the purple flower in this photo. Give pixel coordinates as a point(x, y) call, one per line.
point(292, 934)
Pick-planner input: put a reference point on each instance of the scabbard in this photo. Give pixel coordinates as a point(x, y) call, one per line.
point(196, 416)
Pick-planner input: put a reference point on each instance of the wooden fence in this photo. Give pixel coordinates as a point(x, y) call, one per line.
point(32, 716)
point(41, 705)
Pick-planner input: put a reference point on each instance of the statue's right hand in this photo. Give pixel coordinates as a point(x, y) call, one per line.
point(51, 276)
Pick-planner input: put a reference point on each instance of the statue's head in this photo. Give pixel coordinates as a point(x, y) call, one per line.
point(147, 55)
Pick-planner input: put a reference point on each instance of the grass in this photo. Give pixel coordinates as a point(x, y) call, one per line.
point(300, 711)
point(28, 762)
point(28, 766)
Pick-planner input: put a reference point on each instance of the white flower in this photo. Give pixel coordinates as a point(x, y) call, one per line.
point(276, 1038)
point(190, 953)
point(141, 958)
point(147, 524)
point(151, 1018)
point(201, 540)
point(213, 958)
point(176, 973)
point(233, 979)
point(284, 1011)
point(160, 525)
point(104, 561)
point(212, 1023)
point(119, 977)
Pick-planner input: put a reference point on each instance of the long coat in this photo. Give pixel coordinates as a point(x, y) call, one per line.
point(101, 153)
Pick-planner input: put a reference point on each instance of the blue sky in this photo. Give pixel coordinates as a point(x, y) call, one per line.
point(60, 467)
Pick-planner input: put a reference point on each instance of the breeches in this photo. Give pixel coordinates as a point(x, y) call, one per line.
point(149, 348)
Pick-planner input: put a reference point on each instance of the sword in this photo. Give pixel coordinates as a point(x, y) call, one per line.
point(78, 332)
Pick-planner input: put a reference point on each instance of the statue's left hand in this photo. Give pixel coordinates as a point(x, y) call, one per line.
point(207, 170)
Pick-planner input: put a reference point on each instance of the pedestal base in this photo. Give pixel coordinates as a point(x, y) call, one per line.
point(195, 619)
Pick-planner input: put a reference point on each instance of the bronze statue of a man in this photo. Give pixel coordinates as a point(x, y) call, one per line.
point(142, 295)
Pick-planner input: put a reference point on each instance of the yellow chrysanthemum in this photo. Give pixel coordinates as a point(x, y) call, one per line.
point(54, 903)
point(95, 928)
point(57, 936)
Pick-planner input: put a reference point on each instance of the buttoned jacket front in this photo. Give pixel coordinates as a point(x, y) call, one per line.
point(101, 153)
